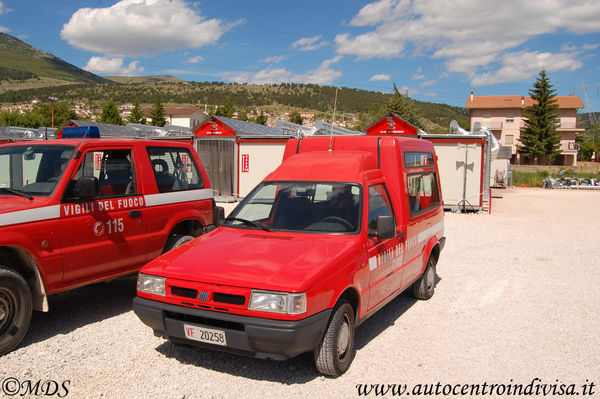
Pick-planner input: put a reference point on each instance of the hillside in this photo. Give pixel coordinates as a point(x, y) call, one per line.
point(143, 79)
point(27, 73)
point(24, 66)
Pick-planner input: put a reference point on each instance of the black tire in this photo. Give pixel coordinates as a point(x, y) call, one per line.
point(424, 287)
point(176, 240)
point(15, 309)
point(336, 350)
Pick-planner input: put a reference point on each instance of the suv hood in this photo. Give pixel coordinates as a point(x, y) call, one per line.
point(290, 262)
point(13, 203)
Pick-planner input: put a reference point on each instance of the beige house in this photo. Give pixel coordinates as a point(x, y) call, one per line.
point(181, 116)
point(504, 115)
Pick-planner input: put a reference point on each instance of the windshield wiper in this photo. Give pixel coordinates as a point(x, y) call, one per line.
point(250, 222)
point(16, 192)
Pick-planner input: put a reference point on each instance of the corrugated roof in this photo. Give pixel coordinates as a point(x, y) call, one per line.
point(105, 128)
point(250, 129)
point(515, 102)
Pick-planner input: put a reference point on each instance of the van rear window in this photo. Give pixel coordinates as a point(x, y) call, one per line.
point(418, 159)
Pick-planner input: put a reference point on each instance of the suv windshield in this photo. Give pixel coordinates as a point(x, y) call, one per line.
point(300, 206)
point(32, 169)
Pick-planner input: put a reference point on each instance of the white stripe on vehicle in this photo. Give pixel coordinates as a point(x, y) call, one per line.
point(30, 215)
point(178, 196)
point(430, 231)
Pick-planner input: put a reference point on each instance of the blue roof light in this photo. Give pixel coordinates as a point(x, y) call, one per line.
point(84, 132)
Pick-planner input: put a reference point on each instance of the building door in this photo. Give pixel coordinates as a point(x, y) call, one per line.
point(218, 157)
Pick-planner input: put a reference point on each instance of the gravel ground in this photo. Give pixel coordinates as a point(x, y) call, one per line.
point(516, 300)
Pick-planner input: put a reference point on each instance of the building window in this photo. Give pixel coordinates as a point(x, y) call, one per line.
point(510, 139)
point(556, 121)
point(510, 119)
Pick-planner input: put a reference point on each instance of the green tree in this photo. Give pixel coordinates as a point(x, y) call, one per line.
point(539, 138)
point(295, 117)
point(403, 107)
point(226, 109)
point(261, 119)
point(110, 114)
point(157, 114)
point(136, 115)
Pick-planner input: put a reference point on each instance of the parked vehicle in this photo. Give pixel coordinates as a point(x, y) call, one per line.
point(78, 211)
point(331, 236)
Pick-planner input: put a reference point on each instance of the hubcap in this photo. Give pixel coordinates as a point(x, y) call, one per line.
point(343, 337)
point(5, 308)
point(429, 278)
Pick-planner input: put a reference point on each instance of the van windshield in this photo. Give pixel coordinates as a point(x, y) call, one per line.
point(32, 169)
point(320, 207)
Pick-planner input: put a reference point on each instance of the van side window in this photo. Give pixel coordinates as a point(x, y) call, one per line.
point(418, 159)
point(379, 204)
point(423, 192)
point(174, 169)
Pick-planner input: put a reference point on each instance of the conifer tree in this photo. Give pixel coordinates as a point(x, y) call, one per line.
point(136, 115)
point(157, 115)
point(539, 138)
point(110, 114)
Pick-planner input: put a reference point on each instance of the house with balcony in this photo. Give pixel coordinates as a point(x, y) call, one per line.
point(504, 116)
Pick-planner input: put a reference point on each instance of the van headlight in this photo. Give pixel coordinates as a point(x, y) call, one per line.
point(277, 302)
point(151, 284)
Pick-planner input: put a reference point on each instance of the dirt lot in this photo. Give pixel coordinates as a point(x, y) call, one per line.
point(516, 300)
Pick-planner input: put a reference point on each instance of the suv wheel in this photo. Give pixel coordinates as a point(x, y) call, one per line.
point(15, 309)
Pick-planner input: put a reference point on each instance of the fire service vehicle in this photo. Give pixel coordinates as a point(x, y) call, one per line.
point(337, 231)
point(76, 211)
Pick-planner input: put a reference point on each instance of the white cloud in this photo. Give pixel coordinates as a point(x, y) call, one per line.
point(471, 36)
point(419, 75)
point(524, 64)
point(3, 9)
point(324, 74)
point(4, 30)
point(138, 27)
point(276, 59)
point(428, 83)
point(380, 77)
point(194, 60)
point(308, 43)
point(112, 66)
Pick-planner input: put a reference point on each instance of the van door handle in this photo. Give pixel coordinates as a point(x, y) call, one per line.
point(135, 214)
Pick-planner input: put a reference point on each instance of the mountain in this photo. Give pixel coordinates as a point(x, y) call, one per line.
point(27, 66)
point(144, 79)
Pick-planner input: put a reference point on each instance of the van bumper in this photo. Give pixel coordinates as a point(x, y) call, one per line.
point(249, 336)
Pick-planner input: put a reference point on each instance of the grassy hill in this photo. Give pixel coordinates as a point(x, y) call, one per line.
point(27, 73)
point(21, 63)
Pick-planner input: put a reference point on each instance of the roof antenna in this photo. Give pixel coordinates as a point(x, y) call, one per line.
point(333, 120)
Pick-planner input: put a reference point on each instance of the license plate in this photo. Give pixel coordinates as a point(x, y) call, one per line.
point(210, 336)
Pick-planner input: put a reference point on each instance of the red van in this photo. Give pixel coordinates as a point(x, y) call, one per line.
point(337, 231)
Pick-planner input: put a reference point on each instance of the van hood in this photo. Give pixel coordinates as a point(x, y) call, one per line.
point(289, 262)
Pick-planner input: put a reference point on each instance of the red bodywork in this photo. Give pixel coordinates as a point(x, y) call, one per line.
point(59, 245)
point(233, 261)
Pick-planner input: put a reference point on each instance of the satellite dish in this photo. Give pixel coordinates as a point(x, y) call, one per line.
point(454, 128)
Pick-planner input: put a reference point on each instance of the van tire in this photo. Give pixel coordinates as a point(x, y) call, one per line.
point(424, 287)
point(175, 241)
point(15, 309)
point(336, 349)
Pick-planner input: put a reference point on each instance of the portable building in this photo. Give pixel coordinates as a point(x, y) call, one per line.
point(237, 155)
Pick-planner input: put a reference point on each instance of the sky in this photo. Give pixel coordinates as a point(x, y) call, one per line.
point(434, 50)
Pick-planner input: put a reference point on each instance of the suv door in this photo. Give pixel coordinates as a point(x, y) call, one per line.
point(106, 234)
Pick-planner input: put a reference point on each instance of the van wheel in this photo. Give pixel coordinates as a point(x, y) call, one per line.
point(336, 350)
point(15, 309)
point(424, 287)
point(176, 240)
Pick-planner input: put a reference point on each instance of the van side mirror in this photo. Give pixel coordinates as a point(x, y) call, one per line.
point(385, 227)
point(86, 188)
point(219, 215)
